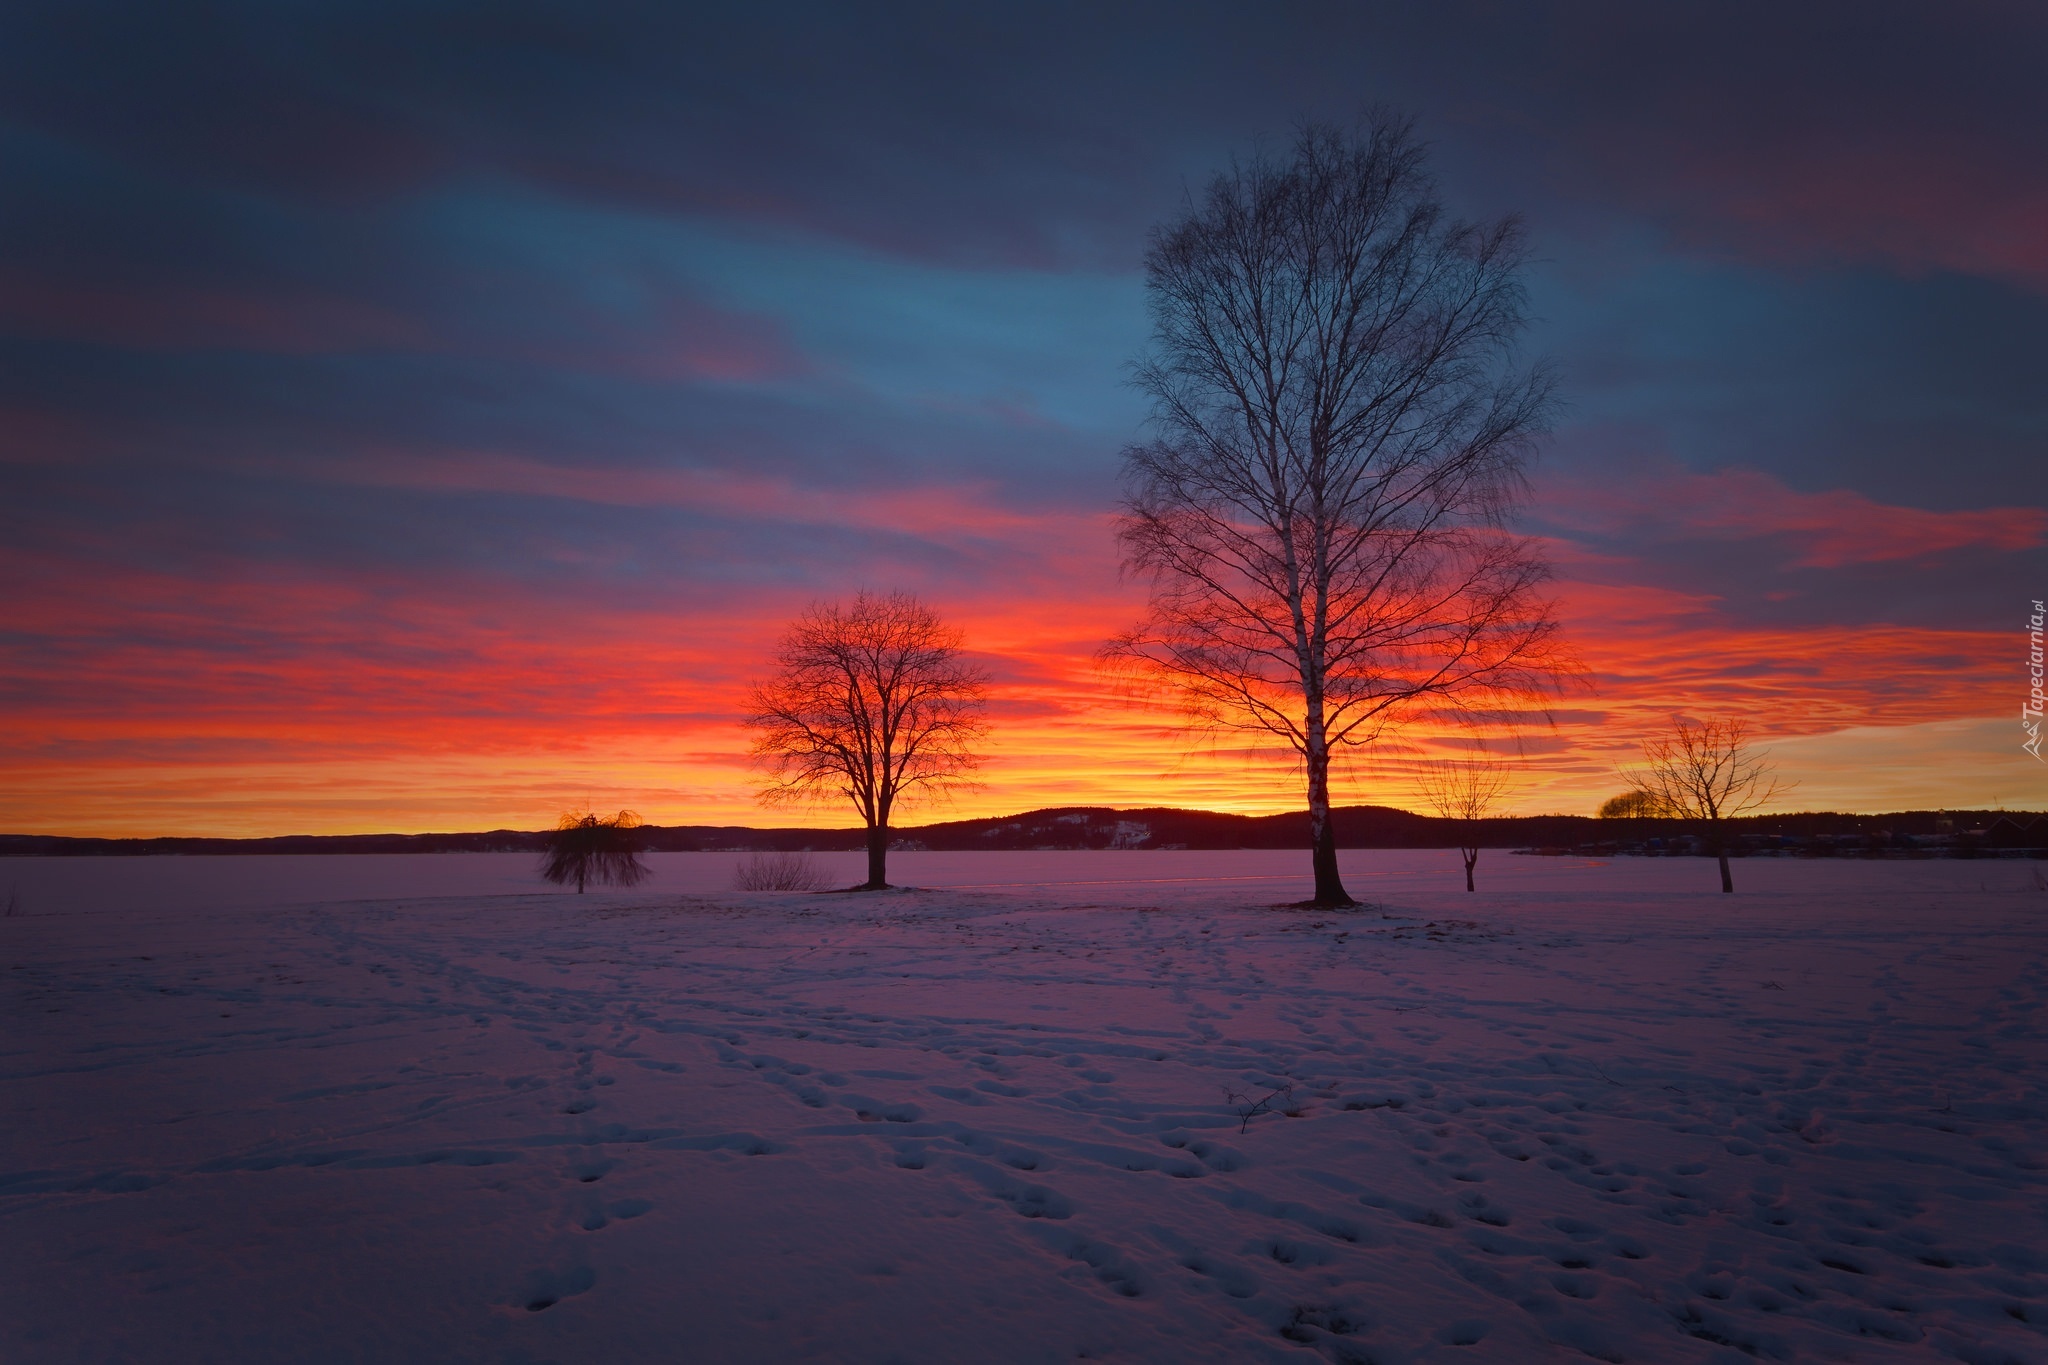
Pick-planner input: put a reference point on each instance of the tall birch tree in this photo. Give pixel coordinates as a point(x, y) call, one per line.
point(1340, 428)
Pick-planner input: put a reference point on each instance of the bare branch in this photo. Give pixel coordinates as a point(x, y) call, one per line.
point(1705, 770)
point(1466, 790)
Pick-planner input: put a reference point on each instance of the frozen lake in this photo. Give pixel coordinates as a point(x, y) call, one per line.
point(93, 885)
point(1054, 1107)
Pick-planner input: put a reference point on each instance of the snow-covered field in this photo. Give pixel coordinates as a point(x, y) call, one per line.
point(396, 1109)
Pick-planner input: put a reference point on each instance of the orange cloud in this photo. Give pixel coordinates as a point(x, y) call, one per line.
point(158, 702)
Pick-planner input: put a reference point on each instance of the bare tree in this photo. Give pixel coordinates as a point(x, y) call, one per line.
point(873, 702)
point(586, 847)
point(1465, 790)
point(1340, 430)
point(1707, 771)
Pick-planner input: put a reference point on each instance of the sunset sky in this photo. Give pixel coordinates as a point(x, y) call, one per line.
point(425, 417)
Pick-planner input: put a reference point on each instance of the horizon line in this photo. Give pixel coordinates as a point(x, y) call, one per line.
point(1019, 815)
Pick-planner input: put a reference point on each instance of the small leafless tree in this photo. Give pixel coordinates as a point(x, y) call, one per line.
point(1340, 431)
point(1465, 791)
point(874, 702)
point(586, 847)
point(1708, 771)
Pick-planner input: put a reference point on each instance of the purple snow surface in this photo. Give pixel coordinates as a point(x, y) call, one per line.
point(403, 1109)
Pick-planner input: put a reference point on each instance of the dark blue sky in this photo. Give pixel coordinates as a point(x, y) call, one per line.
point(344, 348)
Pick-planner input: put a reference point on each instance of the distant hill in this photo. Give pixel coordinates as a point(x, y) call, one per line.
point(1101, 827)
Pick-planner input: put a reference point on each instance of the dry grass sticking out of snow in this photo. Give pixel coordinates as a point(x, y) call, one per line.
point(1623, 1118)
point(778, 872)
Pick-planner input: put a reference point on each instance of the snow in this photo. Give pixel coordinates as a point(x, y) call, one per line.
point(394, 1109)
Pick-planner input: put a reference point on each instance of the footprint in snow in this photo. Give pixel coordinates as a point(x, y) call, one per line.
point(1232, 1279)
point(598, 1216)
point(1465, 1332)
point(544, 1289)
point(1291, 1253)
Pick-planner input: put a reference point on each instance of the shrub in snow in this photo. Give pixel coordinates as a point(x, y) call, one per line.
point(594, 848)
point(778, 872)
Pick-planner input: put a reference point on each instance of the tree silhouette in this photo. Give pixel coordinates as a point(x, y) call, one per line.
point(585, 847)
point(873, 702)
point(1634, 804)
point(1631, 809)
point(1465, 790)
point(1340, 430)
point(1707, 771)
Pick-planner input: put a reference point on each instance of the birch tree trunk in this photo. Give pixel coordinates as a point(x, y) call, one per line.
point(1322, 833)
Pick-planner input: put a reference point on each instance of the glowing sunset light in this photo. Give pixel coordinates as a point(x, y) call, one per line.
point(454, 451)
point(325, 706)
point(1023, 682)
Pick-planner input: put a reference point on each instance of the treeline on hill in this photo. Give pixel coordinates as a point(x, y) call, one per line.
point(1094, 827)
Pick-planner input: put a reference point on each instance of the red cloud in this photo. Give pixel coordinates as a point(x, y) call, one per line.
point(224, 701)
point(1827, 530)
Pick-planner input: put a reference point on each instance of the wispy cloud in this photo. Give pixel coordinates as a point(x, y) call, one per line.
point(433, 442)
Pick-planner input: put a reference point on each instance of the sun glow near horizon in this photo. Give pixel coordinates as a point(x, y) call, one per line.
point(322, 707)
point(487, 495)
point(1062, 735)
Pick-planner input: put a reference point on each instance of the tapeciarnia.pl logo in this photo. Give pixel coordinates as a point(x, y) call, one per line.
point(2030, 713)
